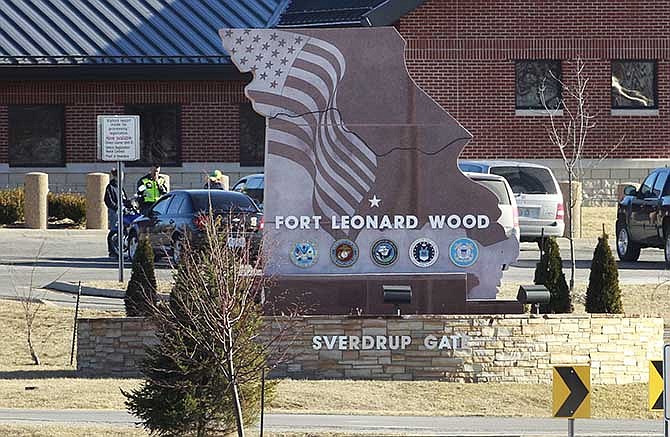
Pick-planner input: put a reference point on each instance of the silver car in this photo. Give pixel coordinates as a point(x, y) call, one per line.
point(538, 195)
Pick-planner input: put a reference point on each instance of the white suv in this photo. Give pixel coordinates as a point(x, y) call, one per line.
point(538, 195)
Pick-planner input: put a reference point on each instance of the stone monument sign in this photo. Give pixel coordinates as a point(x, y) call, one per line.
point(362, 186)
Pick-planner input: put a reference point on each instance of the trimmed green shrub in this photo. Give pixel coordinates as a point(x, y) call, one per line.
point(603, 294)
point(67, 205)
point(549, 272)
point(141, 295)
point(11, 206)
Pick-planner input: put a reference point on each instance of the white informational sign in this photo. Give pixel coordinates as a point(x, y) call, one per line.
point(118, 137)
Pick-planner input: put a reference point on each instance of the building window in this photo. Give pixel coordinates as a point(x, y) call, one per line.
point(36, 136)
point(530, 75)
point(252, 137)
point(159, 134)
point(634, 85)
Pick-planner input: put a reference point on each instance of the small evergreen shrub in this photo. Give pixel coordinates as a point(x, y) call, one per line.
point(11, 206)
point(141, 295)
point(67, 205)
point(603, 294)
point(549, 272)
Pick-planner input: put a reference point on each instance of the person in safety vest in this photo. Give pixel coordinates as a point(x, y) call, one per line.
point(150, 187)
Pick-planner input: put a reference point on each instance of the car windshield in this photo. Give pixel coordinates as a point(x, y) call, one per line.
point(223, 201)
point(527, 180)
point(498, 188)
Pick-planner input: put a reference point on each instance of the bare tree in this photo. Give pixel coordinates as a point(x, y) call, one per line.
point(570, 122)
point(31, 303)
point(212, 348)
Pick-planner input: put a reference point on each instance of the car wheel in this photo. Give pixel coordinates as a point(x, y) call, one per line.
point(133, 243)
point(625, 247)
point(113, 243)
point(177, 248)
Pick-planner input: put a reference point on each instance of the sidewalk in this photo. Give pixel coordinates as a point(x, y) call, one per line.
point(423, 426)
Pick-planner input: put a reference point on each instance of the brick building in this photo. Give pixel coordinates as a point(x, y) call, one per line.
point(482, 61)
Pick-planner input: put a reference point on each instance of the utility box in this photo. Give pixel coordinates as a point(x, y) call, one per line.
point(533, 294)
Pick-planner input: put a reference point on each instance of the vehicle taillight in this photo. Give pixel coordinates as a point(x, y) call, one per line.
point(560, 213)
point(261, 225)
point(199, 221)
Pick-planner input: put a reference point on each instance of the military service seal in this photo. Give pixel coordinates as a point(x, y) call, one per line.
point(384, 252)
point(423, 252)
point(463, 252)
point(344, 253)
point(304, 254)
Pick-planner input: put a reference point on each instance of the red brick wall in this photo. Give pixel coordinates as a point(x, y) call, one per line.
point(209, 113)
point(3, 134)
point(463, 54)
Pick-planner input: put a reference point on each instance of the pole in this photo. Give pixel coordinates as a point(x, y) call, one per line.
point(262, 398)
point(119, 214)
point(665, 428)
point(571, 427)
point(74, 327)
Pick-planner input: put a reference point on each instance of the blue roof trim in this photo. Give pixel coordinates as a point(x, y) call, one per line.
point(125, 31)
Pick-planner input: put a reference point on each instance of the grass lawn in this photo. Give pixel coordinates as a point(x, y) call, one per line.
point(68, 431)
point(593, 218)
point(108, 431)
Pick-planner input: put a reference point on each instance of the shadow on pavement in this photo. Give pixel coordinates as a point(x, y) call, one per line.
point(79, 263)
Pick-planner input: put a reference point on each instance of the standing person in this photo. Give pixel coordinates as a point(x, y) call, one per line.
point(111, 198)
point(214, 181)
point(150, 188)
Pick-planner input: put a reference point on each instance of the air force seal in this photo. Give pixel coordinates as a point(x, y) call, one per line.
point(344, 253)
point(463, 252)
point(384, 252)
point(304, 254)
point(423, 252)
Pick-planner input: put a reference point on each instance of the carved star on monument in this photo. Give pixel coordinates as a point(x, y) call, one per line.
point(374, 202)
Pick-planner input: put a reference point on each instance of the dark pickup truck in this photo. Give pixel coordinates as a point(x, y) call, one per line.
point(643, 217)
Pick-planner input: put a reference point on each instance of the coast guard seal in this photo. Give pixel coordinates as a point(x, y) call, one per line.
point(463, 252)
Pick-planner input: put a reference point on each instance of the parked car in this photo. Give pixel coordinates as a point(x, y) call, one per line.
point(509, 218)
point(643, 217)
point(538, 195)
point(181, 214)
point(253, 186)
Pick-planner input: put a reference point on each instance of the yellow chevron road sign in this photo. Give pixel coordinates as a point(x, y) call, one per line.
point(656, 385)
point(572, 392)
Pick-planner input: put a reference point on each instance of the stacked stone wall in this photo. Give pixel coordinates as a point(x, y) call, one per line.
point(497, 348)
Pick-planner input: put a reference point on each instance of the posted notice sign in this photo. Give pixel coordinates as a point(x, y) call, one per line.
point(118, 137)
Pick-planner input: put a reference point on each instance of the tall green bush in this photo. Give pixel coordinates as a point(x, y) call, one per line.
point(549, 272)
point(141, 295)
point(11, 206)
point(67, 205)
point(603, 294)
point(204, 375)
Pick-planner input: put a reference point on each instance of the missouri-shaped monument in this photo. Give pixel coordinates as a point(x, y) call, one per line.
point(362, 183)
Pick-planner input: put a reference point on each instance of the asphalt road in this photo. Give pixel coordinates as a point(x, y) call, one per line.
point(649, 269)
point(40, 257)
point(376, 425)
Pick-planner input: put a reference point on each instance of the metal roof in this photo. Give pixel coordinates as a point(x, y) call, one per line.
point(125, 31)
point(329, 13)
